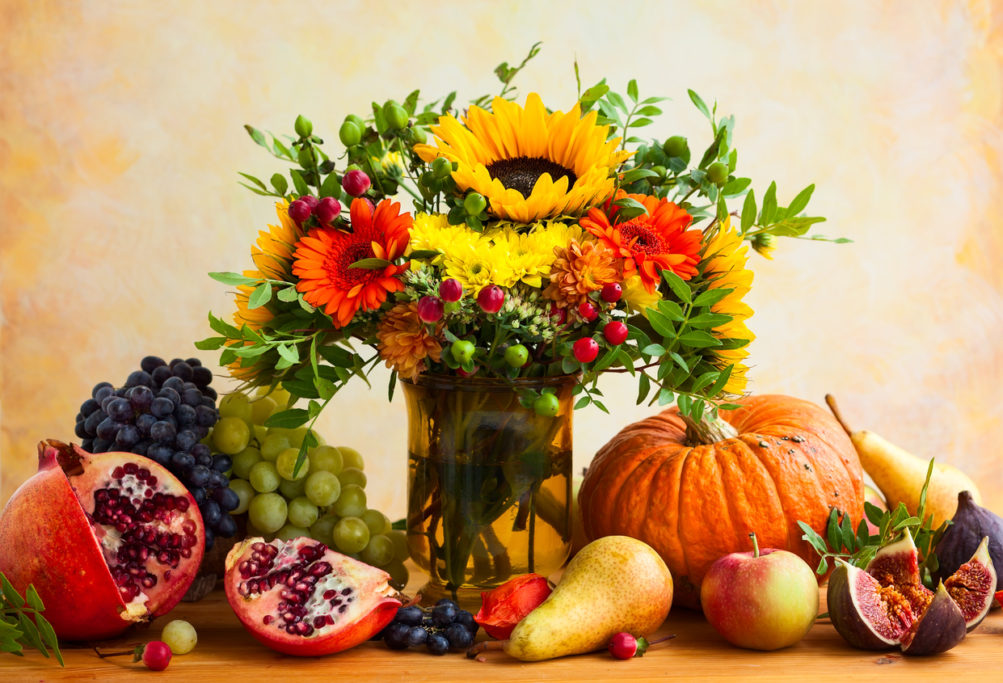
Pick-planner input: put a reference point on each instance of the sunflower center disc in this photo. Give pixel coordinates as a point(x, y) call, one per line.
point(521, 173)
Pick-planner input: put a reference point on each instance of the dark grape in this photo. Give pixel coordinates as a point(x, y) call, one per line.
point(141, 397)
point(170, 393)
point(185, 439)
point(443, 614)
point(100, 446)
point(202, 432)
point(227, 498)
point(80, 431)
point(416, 636)
point(106, 400)
point(206, 401)
point(194, 362)
point(437, 644)
point(174, 361)
point(185, 415)
point(207, 416)
point(227, 526)
point(199, 476)
point(202, 376)
point(467, 619)
point(121, 392)
point(182, 461)
point(141, 447)
point(211, 514)
point(163, 432)
point(89, 406)
point(222, 462)
point(120, 410)
point(200, 449)
point(396, 635)
point(93, 420)
point(144, 422)
point(217, 479)
point(409, 615)
point(159, 375)
point(162, 455)
point(161, 407)
point(210, 537)
point(151, 363)
point(102, 388)
point(192, 397)
point(175, 383)
point(88, 445)
point(139, 378)
point(203, 458)
point(108, 429)
point(459, 636)
point(182, 370)
point(127, 437)
point(210, 392)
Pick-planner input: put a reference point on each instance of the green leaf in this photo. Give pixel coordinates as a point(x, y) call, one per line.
point(280, 183)
point(665, 397)
point(722, 380)
point(371, 263)
point(287, 294)
point(256, 135)
point(641, 122)
point(699, 339)
point(422, 254)
point(298, 182)
point(630, 208)
point(661, 324)
point(10, 595)
point(698, 101)
point(833, 532)
point(849, 538)
point(254, 180)
point(748, 211)
point(224, 328)
point(709, 320)
point(653, 350)
point(617, 101)
point(678, 286)
point(288, 419)
point(337, 356)
point(800, 201)
point(30, 633)
point(582, 402)
point(794, 227)
point(671, 310)
point(289, 352)
point(735, 186)
point(325, 388)
point(31, 596)
point(769, 210)
point(711, 297)
point(210, 343)
point(704, 380)
point(261, 295)
point(683, 402)
point(680, 361)
point(632, 89)
point(234, 279)
point(643, 388)
point(649, 111)
point(637, 174)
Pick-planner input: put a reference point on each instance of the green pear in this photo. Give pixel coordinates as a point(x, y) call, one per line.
point(613, 584)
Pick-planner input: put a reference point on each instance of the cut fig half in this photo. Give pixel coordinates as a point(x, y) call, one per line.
point(971, 586)
point(939, 628)
point(866, 614)
point(896, 568)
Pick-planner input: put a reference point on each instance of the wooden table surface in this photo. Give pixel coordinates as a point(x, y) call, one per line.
point(225, 652)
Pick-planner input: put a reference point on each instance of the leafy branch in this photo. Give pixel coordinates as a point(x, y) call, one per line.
point(22, 623)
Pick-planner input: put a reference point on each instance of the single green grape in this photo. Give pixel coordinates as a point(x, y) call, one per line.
point(286, 464)
point(322, 528)
point(259, 432)
point(273, 444)
point(267, 512)
point(243, 461)
point(236, 405)
point(292, 489)
point(399, 538)
point(376, 521)
point(264, 477)
point(290, 531)
point(378, 552)
point(351, 502)
point(277, 394)
point(295, 436)
point(352, 475)
point(231, 435)
point(261, 409)
point(398, 574)
point(244, 492)
point(350, 535)
point(322, 488)
point(351, 458)
point(326, 458)
point(180, 636)
point(302, 512)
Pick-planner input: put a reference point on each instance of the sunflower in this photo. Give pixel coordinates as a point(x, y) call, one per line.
point(323, 259)
point(578, 269)
point(651, 242)
point(723, 264)
point(527, 163)
point(405, 342)
point(273, 251)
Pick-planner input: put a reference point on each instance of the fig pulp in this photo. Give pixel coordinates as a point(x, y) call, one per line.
point(939, 628)
point(970, 524)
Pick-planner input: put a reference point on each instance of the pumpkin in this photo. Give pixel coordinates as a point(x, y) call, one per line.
point(696, 492)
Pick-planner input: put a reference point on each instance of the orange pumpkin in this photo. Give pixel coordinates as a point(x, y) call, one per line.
point(694, 502)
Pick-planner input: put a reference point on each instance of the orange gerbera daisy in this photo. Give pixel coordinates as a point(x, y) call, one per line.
point(649, 243)
point(322, 260)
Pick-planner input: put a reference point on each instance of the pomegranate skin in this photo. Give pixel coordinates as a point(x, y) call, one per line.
point(47, 540)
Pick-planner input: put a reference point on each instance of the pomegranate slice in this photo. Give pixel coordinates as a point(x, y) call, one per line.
point(301, 598)
point(108, 539)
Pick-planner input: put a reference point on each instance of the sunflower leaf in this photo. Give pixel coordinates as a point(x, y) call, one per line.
point(371, 263)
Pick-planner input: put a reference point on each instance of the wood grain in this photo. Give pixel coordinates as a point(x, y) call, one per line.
point(225, 652)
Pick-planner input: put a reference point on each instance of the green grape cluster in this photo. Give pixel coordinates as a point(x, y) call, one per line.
point(325, 499)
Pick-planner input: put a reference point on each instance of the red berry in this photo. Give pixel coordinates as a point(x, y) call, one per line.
point(615, 332)
point(558, 315)
point(623, 645)
point(327, 210)
point(611, 292)
point(587, 311)
point(586, 349)
point(430, 309)
point(450, 290)
point(491, 298)
point(156, 655)
point(300, 211)
point(355, 183)
point(310, 201)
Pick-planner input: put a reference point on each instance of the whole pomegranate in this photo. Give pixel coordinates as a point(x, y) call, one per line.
point(301, 598)
point(107, 539)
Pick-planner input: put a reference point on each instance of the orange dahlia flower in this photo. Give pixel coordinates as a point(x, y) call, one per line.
point(649, 243)
point(405, 341)
point(323, 257)
point(578, 269)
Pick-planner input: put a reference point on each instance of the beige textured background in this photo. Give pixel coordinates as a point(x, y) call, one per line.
point(120, 138)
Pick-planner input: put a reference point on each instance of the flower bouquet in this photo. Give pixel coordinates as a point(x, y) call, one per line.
point(540, 249)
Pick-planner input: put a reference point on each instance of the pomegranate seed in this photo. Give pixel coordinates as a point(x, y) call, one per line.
point(320, 621)
point(267, 619)
point(328, 594)
point(118, 472)
point(130, 468)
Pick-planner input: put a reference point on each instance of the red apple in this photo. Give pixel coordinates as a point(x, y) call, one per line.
point(761, 600)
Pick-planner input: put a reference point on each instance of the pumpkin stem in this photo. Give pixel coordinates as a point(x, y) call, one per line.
point(708, 430)
point(830, 400)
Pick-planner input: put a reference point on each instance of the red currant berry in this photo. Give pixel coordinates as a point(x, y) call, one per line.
point(430, 309)
point(327, 210)
point(300, 211)
point(611, 292)
point(156, 655)
point(491, 298)
point(450, 290)
point(623, 645)
point(615, 332)
point(587, 311)
point(586, 349)
point(310, 201)
point(355, 183)
point(558, 315)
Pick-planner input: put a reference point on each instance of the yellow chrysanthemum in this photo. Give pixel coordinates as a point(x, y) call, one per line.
point(527, 163)
point(724, 259)
point(637, 297)
point(273, 251)
point(531, 253)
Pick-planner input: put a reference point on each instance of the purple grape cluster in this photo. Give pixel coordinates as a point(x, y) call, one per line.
point(163, 412)
point(442, 628)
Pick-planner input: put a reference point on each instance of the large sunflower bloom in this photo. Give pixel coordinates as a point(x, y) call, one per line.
point(527, 163)
point(651, 242)
point(323, 257)
point(405, 342)
point(723, 265)
point(578, 269)
point(273, 251)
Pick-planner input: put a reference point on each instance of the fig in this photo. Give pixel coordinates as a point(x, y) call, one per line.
point(970, 524)
point(971, 586)
point(937, 629)
point(867, 616)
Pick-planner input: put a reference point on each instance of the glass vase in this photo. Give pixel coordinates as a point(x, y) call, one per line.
point(489, 481)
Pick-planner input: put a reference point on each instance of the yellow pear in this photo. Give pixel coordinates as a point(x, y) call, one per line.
point(900, 474)
point(613, 584)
